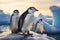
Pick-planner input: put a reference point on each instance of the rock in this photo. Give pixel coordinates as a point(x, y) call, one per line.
point(22, 37)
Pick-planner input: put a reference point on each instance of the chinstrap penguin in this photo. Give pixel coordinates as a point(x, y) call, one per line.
point(14, 21)
point(26, 20)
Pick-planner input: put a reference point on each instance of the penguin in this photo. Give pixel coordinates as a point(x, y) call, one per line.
point(14, 21)
point(26, 20)
point(39, 26)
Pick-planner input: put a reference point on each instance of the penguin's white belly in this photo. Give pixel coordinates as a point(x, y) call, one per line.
point(40, 28)
point(28, 23)
point(15, 22)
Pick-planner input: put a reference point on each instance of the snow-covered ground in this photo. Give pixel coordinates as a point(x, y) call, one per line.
point(6, 35)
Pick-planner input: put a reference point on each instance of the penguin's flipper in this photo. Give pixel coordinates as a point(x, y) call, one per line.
point(20, 24)
point(11, 22)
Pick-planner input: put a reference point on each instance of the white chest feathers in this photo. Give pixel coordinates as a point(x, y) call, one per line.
point(28, 22)
point(14, 25)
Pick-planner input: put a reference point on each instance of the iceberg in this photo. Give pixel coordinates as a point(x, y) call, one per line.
point(50, 28)
point(41, 16)
point(51, 24)
point(56, 15)
point(4, 18)
point(55, 27)
point(49, 20)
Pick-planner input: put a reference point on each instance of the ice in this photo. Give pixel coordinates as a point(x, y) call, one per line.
point(52, 23)
point(21, 37)
point(4, 18)
point(56, 15)
point(6, 35)
point(50, 28)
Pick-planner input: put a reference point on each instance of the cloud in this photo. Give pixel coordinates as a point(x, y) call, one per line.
point(48, 2)
point(56, 1)
point(30, 1)
point(22, 5)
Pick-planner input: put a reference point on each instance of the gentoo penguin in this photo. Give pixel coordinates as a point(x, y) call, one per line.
point(26, 20)
point(14, 21)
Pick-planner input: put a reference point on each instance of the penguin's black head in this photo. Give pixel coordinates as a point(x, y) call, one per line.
point(40, 19)
point(32, 9)
point(16, 11)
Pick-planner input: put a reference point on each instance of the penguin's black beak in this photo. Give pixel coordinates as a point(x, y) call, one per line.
point(36, 9)
point(33, 8)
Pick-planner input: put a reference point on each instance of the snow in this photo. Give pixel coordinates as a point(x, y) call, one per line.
point(6, 35)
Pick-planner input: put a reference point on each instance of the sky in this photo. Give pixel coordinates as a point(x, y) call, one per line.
point(22, 5)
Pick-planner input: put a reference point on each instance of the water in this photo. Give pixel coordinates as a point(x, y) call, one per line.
point(56, 36)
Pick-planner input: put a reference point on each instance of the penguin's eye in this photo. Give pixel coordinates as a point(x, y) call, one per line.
point(16, 12)
point(31, 8)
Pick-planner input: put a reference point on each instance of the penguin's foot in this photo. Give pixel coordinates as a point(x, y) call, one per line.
point(14, 32)
point(27, 34)
point(30, 34)
point(20, 33)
